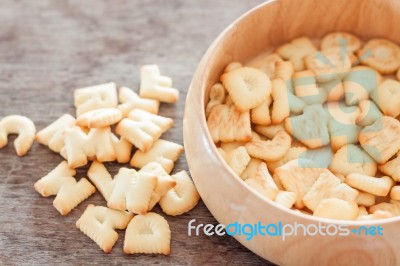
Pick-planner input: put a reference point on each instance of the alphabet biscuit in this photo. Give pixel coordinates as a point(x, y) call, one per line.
point(23, 127)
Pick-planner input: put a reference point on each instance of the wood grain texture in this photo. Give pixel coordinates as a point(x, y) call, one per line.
point(48, 48)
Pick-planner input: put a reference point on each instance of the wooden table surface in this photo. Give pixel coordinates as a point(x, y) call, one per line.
point(48, 48)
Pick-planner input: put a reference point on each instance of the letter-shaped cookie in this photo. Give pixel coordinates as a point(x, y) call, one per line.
point(79, 146)
point(102, 117)
point(132, 191)
point(270, 150)
point(263, 183)
point(163, 152)
point(94, 97)
point(155, 86)
point(182, 198)
point(381, 139)
point(99, 223)
point(227, 124)
point(142, 128)
point(69, 193)
point(21, 125)
point(248, 87)
point(164, 182)
point(130, 101)
point(148, 234)
point(296, 50)
point(53, 135)
point(298, 176)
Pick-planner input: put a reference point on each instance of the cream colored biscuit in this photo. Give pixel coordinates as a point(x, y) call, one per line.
point(341, 177)
point(395, 193)
point(270, 150)
point(216, 96)
point(95, 97)
point(232, 66)
point(310, 128)
point(266, 63)
point(393, 208)
point(80, 147)
point(102, 117)
point(263, 172)
point(248, 87)
point(342, 127)
point(352, 159)
point(353, 59)
point(343, 114)
point(155, 86)
point(286, 198)
point(23, 127)
point(298, 176)
point(149, 234)
point(320, 190)
point(296, 50)
point(228, 147)
point(182, 198)
point(380, 54)
point(358, 84)
point(334, 89)
point(260, 115)
point(376, 215)
point(130, 100)
point(337, 209)
point(369, 113)
point(362, 211)
point(296, 105)
point(132, 191)
point(342, 134)
point(53, 135)
point(51, 183)
point(263, 183)
point(164, 184)
point(387, 97)
point(379, 186)
point(328, 186)
point(280, 106)
point(237, 159)
point(122, 148)
point(163, 152)
point(345, 192)
point(99, 224)
point(365, 199)
point(251, 168)
point(329, 64)
point(344, 40)
point(70, 196)
point(305, 87)
point(292, 154)
point(142, 128)
point(392, 168)
point(227, 124)
point(102, 179)
point(69, 193)
point(380, 140)
point(284, 70)
point(269, 131)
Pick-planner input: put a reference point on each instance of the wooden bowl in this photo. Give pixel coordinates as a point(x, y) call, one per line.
point(224, 193)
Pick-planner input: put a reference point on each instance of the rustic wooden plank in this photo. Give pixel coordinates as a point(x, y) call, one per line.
point(48, 48)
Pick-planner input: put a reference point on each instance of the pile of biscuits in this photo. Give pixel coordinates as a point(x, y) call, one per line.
point(314, 130)
point(131, 194)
